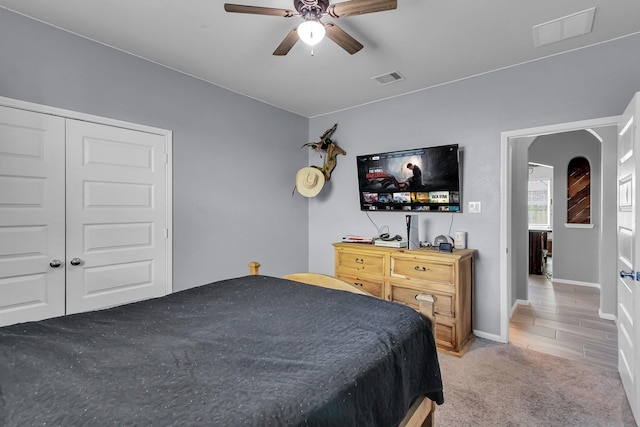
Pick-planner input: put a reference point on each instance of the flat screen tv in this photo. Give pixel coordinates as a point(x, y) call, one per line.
point(423, 179)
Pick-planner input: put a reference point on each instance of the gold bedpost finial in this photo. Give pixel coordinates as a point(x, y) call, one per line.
point(254, 268)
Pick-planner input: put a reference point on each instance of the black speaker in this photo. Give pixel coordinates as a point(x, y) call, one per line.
point(445, 247)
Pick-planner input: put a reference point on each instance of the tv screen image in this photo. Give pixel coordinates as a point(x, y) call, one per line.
point(422, 179)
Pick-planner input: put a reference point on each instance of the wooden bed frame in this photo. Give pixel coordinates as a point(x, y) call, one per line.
point(422, 411)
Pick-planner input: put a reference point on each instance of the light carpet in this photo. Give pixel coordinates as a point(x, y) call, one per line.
point(502, 385)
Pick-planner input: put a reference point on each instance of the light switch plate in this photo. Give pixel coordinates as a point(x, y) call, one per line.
point(475, 207)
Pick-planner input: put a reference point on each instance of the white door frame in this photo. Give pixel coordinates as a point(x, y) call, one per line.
point(505, 202)
point(166, 134)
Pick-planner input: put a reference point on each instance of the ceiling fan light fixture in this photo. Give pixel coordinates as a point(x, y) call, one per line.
point(311, 32)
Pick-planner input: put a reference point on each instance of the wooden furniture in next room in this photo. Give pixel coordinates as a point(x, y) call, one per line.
point(537, 251)
point(401, 274)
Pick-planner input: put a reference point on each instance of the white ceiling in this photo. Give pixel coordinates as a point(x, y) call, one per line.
point(429, 42)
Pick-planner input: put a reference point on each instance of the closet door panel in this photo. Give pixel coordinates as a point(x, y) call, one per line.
point(116, 216)
point(32, 222)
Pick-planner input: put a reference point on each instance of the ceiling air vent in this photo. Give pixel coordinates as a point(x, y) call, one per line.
point(569, 26)
point(387, 78)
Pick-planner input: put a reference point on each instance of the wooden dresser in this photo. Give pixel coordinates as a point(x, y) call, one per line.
point(400, 274)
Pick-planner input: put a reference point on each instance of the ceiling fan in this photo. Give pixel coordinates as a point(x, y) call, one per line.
point(312, 30)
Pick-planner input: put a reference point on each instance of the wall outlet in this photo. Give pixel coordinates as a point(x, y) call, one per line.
point(475, 207)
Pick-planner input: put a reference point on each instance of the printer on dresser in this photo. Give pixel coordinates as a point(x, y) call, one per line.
point(400, 274)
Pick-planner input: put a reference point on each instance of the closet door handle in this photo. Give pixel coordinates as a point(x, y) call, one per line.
point(75, 261)
point(55, 263)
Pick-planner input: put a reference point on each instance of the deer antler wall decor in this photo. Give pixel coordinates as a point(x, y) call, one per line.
point(330, 150)
point(308, 181)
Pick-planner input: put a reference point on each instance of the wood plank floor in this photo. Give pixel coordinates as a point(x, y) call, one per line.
point(563, 320)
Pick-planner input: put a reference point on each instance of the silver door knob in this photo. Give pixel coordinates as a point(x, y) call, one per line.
point(75, 261)
point(632, 274)
point(55, 263)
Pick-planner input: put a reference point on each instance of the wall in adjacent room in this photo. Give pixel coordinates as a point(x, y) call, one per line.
point(576, 250)
point(234, 158)
point(580, 256)
point(584, 84)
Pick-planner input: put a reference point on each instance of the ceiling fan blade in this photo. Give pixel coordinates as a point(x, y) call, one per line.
point(342, 39)
point(287, 43)
point(258, 10)
point(360, 7)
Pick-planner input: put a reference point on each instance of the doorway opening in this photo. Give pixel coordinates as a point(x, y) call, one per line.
point(539, 311)
point(514, 170)
point(540, 218)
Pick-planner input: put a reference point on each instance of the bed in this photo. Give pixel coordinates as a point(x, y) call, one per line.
point(253, 350)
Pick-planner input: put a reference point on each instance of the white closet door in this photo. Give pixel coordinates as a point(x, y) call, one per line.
point(116, 216)
point(32, 203)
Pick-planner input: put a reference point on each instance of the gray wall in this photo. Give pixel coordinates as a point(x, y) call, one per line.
point(579, 255)
point(234, 159)
point(576, 250)
point(584, 84)
point(584, 255)
point(609, 222)
point(519, 246)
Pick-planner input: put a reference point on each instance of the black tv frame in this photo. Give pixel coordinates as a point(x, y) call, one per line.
point(386, 184)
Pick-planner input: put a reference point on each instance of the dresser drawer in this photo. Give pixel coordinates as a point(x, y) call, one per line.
point(401, 274)
point(347, 261)
point(445, 303)
point(422, 269)
point(374, 287)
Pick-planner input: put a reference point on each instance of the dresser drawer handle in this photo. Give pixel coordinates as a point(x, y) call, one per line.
point(359, 261)
point(419, 268)
point(358, 284)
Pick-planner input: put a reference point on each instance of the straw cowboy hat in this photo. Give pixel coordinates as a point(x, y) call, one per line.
point(309, 181)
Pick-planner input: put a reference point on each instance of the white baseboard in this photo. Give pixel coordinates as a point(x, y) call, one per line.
point(576, 282)
point(607, 316)
point(485, 335)
point(516, 304)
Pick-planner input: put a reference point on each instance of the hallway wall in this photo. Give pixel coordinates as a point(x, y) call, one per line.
point(577, 251)
point(580, 256)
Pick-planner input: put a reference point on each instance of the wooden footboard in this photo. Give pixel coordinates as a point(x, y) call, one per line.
point(421, 413)
point(426, 302)
point(325, 281)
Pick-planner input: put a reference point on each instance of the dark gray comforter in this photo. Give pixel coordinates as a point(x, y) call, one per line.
point(254, 350)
